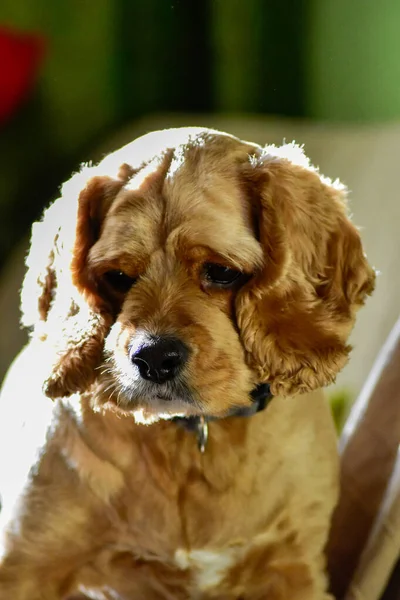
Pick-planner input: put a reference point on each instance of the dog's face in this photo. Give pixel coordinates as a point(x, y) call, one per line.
point(190, 266)
point(176, 246)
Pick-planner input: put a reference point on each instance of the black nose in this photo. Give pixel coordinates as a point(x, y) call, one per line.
point(160, 359)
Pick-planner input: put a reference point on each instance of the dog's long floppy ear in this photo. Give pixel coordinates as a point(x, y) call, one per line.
point(295, 316)
point(59, 302)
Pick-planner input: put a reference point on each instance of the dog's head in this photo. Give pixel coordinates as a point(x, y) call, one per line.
point(190, 266)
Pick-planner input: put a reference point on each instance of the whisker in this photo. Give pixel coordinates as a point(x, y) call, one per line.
point(107, 370)
point(110, 387)
point(112, 391)
point(119, 395)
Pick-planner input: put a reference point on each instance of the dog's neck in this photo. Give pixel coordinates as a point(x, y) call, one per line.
point(260, 396)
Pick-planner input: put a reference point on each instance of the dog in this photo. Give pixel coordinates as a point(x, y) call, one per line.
point(188, 297)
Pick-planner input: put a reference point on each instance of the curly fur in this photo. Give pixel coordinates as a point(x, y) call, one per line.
point(296, 317)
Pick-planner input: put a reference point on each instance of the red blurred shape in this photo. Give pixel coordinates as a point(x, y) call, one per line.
point(21, 55)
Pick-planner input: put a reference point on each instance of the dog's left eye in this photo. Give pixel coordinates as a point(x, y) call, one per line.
point(119, 281)
point(220, 275)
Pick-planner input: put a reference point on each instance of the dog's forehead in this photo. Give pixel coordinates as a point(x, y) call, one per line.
point(156, 143)
point(204, 174)
point(193, 191)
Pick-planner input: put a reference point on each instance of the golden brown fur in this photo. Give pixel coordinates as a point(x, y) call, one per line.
point(133, 510)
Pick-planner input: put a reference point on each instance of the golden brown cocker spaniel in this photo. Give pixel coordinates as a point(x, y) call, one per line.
point(165, 286)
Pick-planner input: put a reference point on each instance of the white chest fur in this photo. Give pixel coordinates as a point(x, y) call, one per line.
point(209, 567)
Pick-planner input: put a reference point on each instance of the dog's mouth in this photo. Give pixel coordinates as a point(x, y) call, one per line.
point(165, 400)
point(161, 404)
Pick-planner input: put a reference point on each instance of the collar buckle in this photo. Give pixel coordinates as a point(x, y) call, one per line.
point(260, 396)
point(202, 433)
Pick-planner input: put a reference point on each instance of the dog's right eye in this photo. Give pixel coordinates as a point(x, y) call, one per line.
point(119, 281)
point(220, 274)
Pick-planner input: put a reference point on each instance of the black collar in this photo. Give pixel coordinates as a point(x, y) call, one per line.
point(260, 396)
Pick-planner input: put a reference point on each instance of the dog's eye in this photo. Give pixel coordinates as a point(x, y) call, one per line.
point(119, 281)
point(220, 275)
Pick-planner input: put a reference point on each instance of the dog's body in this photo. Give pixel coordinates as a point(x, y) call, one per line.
point(141, 511)
point(172, 279)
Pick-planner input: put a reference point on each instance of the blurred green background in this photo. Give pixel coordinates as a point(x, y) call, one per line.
point(110, 61)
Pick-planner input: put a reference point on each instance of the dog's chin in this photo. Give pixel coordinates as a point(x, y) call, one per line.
point(147, 416)
point(148, 403)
